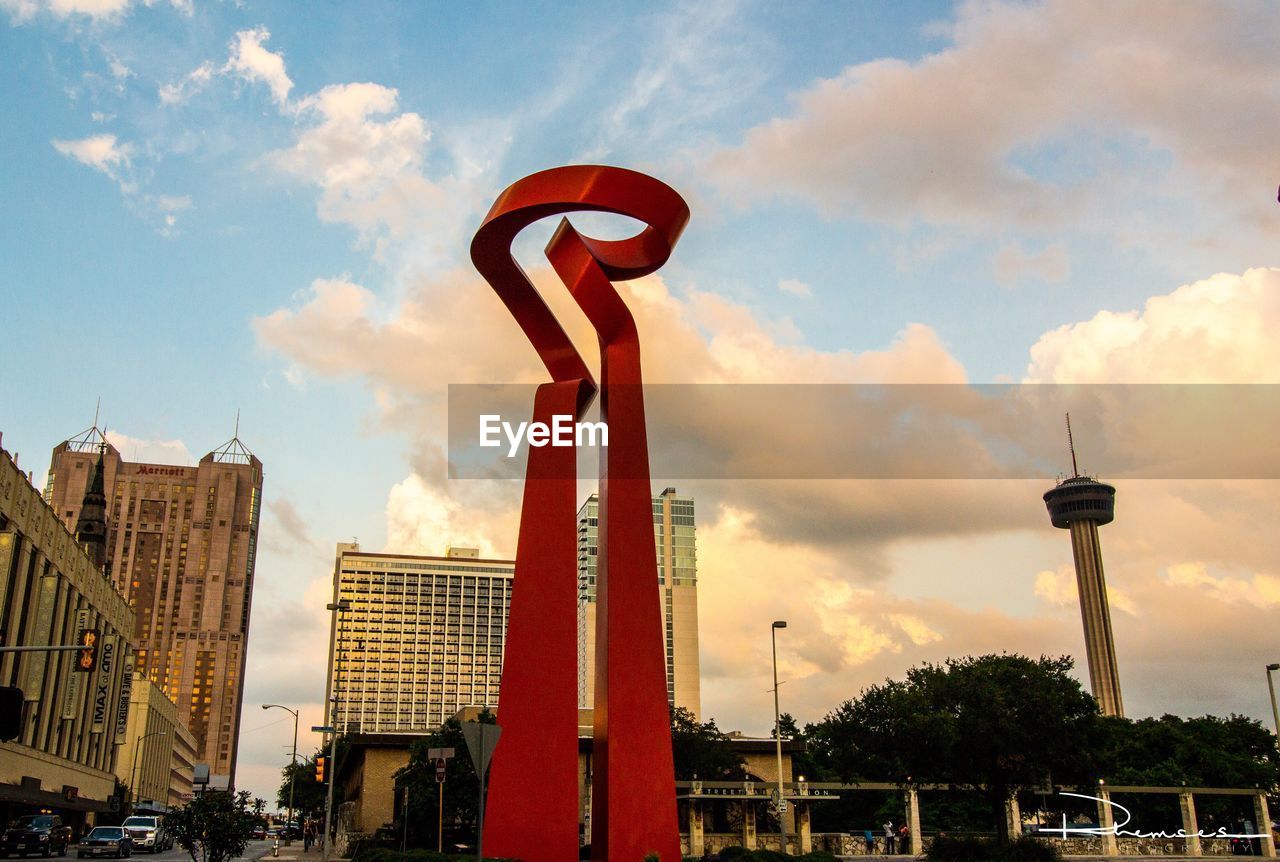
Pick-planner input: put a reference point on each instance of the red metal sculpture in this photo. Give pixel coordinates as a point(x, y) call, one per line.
point(533, 785)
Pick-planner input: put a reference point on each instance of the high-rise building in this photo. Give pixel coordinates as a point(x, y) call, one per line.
point(677, 582)
point(52, 587)
point(1081, 504)
point(419, 638)
point(180, 543)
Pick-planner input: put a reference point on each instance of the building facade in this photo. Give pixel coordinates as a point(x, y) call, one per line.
point(157, 756)
point(180, 544)
point(421, 637)
point(674, 534)
point(51, 589)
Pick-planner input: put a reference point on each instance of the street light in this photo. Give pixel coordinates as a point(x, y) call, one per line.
point(293, 768)
point(777, 732)
point(1275, 714)
point(337, 608)
point(133, 771)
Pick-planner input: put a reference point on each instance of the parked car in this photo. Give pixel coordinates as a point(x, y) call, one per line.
point(259, 833)
point(106, 841)
point(36, 833)
point(148, 833)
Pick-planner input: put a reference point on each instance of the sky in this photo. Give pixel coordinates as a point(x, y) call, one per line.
point(219, 208)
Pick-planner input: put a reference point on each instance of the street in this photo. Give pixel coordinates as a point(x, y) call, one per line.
point(255, 850)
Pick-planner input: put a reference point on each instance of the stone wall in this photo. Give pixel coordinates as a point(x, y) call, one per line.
point(844, 844)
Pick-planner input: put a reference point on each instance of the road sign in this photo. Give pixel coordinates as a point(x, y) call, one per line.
point(442, 766)
point(481, 740)
point(437, 753)
point(321, 728)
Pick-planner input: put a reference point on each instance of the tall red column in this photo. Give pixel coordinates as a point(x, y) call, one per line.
point(633, 803)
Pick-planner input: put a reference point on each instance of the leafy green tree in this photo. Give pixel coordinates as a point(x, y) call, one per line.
point(702, 751)
point(1199, 752)
point(993, 724)
point(309, 795)
point(461, 789)
point(214, 826)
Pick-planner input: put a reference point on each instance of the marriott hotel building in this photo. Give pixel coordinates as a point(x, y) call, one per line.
point(421, 637)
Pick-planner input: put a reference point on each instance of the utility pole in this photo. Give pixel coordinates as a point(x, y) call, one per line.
point(777, 733)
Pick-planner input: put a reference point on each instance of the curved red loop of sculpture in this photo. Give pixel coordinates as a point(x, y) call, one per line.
point(534, 784)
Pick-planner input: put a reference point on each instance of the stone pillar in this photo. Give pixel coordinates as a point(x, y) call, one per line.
point(1107, 821)
point(697, 844)
point(1187, 803)
point(913, 824)
point(749, 824)
point(803, 830)
point(1262, 817)
point(1013, 816)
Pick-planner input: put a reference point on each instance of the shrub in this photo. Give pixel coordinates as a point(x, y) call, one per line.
point(1024, 849)
point(816, 856)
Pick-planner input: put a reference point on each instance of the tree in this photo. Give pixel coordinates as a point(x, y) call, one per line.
point(701, 751)
point(309, 795)
point(461, 788)
point(1199, 752)
point(993, 723)
point(214, 826)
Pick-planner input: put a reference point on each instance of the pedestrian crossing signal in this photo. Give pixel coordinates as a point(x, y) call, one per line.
point(320, 769)
point(87, 655)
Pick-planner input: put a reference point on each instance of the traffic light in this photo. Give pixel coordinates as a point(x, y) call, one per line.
point(87, 655)
point(10, 713)
point(320, 769)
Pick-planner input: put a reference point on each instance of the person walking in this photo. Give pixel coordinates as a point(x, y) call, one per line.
point(888, 837)
point(308, 836)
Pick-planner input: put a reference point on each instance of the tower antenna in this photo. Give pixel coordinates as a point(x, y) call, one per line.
point(1075, 471)
point(237, 434)
point(96, 408)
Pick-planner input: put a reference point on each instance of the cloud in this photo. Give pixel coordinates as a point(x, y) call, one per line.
point(183, 89)
point(1017, 124)
point(795, 288)
point(151, 451)
point(1217, 330)
point(1058, 587)
point(22, 11)
point(101, 152)
point(113, 158)
point(291, 527)
point(251, 61)
point(1013, 264)
point(368, 159)
point(1260, 590)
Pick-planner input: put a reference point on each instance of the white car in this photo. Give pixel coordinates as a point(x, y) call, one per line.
point(148, 833)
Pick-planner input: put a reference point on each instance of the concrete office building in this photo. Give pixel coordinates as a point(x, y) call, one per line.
point(1081, 504)
point(180, 543)
point(157, 755)
point(677, 583)
point(52, 586)
point(422, 637)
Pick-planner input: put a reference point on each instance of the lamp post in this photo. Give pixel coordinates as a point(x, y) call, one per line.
point(1275, 714)
point(133, 771)
point(777, 732)
point(337, 608)
point(293, 768)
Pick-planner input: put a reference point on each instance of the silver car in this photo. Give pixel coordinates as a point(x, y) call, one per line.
point(106, 841)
